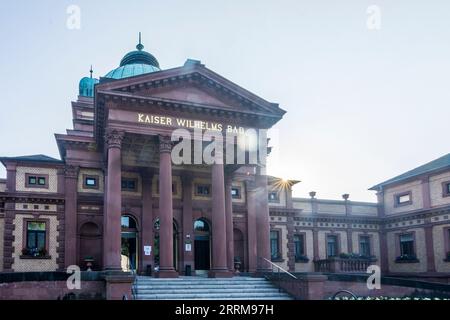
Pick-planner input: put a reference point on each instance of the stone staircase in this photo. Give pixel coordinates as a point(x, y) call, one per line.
point(202, 288)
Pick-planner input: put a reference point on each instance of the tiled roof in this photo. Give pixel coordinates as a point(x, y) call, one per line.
point(34, 157)
point(431, 166)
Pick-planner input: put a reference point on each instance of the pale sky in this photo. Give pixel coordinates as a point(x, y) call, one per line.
point(362, 105)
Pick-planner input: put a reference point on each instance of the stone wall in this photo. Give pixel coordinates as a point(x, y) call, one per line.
point(50, 290)
point(393, 251)
point(52, 179)
point(440, 235)
point(2, 228)
point(24, 264)
point(415, 187)
point(436, 189)
point(92, 172)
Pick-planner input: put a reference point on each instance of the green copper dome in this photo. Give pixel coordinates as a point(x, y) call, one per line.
point(86, 86)
point(135, 63)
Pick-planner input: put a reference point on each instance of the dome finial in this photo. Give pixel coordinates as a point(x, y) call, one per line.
point(91, 71)
point(140, 46)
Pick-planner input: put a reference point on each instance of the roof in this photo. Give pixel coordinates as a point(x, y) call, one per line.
point(437, 164)
point(131, 70)
point(135, 63)
point(32, 158)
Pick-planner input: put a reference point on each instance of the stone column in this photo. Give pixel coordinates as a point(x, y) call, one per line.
point(262, 224)
point(380, 203)
point(315, 242)
point(11, 177)
point(426, 196)
point(349, 239)
point(431, 267)
point(70, 215)
point(251, 226)
point(188, 223)
point(229, 224)
point(147, 221)
point(166, 269)
point(384, 254)
point(219, 238)
point(113, 203)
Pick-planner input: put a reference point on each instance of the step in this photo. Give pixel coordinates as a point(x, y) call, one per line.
point(203, 288)
point(224, 296)
point(205, 291)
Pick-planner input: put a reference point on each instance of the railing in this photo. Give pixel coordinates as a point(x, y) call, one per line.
point(134, 286)
point(342, 265)
point(279, 271)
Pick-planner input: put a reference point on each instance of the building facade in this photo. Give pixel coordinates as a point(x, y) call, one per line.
point(116, 200)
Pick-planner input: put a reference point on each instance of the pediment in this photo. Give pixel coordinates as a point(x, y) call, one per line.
point(191, 93)
point(196, 86)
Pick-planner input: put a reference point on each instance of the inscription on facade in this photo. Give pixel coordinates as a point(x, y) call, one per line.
point(187, 123)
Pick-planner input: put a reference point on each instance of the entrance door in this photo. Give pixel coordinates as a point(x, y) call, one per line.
point(129, 244)
point(202, 250)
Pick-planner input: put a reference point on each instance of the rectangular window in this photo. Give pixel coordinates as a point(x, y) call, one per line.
point(129, 184)
point(274, 197)
point(203, 190)
point(299, 246)
point(90, 182)
point(36, 238)
point(274, 245)
point(446, 189)
point(407, 245)
point(364, 246)
point(236, 193)
point(403, 199)
point(36, 181)
point(332, 246)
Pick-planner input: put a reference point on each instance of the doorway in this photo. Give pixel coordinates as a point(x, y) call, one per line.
point(175, 244)
point(129, 244)
point(202, 248)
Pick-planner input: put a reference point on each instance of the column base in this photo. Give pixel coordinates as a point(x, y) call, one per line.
point(166, 274)
point(220, 274)
point(113, 269)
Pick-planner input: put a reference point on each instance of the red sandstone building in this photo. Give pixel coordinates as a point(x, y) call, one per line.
point(116, 201)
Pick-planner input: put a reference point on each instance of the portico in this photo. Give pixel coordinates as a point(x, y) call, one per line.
point(138, 206)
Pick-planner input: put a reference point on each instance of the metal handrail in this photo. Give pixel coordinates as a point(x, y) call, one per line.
point(134, 286)
point(279, 268)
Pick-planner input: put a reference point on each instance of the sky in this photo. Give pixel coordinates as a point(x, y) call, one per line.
point(366, 93)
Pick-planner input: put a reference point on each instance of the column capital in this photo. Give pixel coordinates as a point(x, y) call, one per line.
point(71, 171)
point(165, 144)
point(113, 138)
